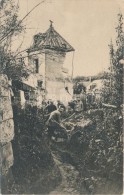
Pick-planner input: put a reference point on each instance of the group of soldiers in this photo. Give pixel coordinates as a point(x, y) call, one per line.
point(53, 112)
point(88, 100)
point(80, 102)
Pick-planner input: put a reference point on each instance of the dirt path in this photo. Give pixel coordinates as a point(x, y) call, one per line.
point(70, 183)
point(69, 179)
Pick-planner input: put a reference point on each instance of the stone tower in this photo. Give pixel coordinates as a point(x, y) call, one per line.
point(47, 56)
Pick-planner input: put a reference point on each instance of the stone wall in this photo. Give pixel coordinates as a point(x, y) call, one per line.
point(56, 91)
point(6, 126)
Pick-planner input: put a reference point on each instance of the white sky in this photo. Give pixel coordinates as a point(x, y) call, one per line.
point(88, 25)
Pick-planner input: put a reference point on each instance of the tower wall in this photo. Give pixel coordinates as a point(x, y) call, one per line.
point(55, 80)
point(40, 55)
point(54, 61)
point(51, 65)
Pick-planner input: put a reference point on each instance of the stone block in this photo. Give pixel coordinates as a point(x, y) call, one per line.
point(5, 106)
point(3, 80)
point(4, 90)
point(6, 131)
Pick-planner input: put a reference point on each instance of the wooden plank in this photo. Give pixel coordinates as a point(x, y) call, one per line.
point(109, 105)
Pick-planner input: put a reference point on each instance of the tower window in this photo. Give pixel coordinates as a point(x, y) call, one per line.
point(27, 96)
point(39, 83)
point(36, 64)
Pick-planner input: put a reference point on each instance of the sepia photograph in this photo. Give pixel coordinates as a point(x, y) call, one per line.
point(61, 97)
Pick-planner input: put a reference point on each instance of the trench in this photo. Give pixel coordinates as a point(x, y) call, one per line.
point(56, 167)
point(84, 177)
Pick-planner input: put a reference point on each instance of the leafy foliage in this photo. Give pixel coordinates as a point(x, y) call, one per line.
point(10, 27)
point(98, 148)
point(113, 90)
point(16, 69)
point(30, 145)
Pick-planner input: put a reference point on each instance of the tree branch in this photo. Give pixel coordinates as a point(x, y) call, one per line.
point(9, 32)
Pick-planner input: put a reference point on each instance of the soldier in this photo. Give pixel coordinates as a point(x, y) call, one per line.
point(83, 99)
point(50, 107)
point(55, 125)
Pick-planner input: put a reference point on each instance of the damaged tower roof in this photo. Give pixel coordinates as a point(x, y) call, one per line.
point(50, 40)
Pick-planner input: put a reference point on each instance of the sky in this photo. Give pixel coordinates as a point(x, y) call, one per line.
point(88, 25)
